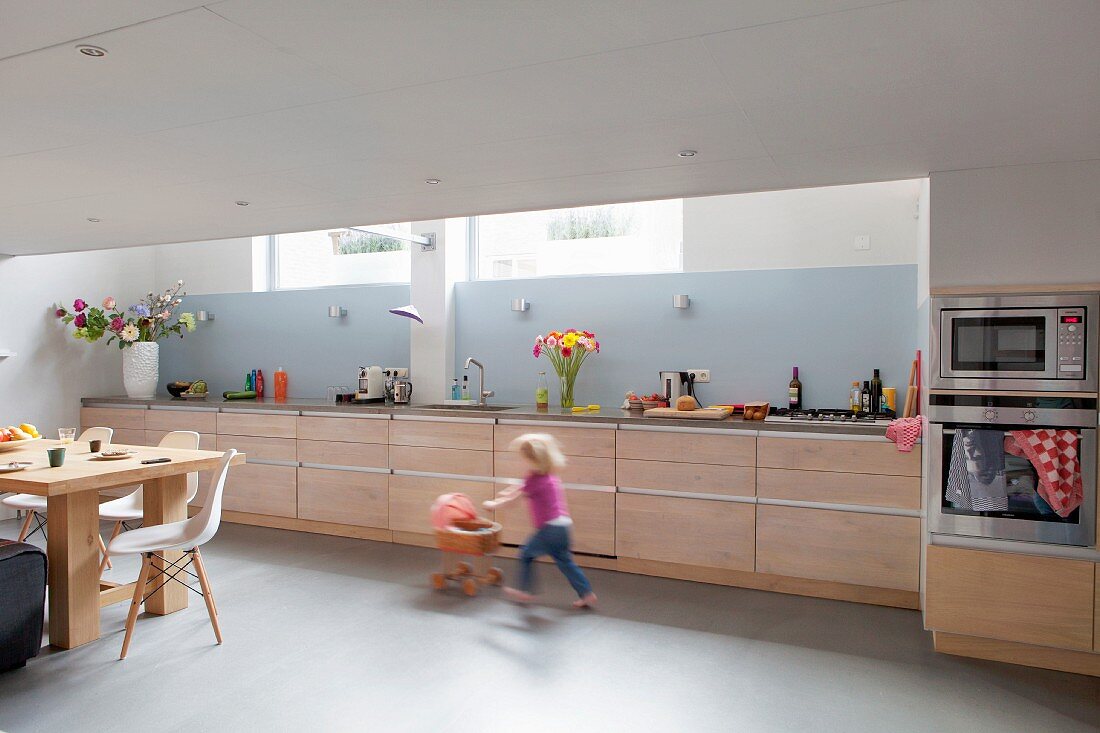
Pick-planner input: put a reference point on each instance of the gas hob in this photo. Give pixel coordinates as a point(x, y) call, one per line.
point(832, 417)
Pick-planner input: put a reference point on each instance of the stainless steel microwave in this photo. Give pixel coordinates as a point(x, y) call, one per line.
point(1022, 342)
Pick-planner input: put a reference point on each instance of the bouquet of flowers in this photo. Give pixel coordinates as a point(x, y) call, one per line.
point(151, 319)
point(566, 352)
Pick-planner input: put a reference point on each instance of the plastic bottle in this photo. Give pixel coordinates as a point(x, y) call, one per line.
point(280, 384)
point(854, 398)
point(260, 383)
point(248, 381)
point(465, 387)
point(455, 394)
point(542, 392)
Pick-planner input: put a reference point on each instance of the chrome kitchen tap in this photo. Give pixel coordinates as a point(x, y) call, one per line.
point(482, 393)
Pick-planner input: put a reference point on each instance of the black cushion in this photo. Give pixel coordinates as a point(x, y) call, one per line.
point(22, 602)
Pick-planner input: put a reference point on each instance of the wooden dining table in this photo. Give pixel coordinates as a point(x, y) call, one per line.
point(72, 513)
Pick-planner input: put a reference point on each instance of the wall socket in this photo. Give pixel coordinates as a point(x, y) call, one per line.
point(863, 242)
point(702, 376)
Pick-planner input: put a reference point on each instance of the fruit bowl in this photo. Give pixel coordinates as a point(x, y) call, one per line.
point(13, 444)
point(176, 389)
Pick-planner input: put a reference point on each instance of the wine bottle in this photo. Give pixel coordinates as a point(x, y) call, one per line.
point(865, 397)
point(876, 393)
point(794, 392)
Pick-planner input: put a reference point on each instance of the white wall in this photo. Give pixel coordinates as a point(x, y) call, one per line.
point(432, 344)
point(808, 227)
point(214, 266)
point(1016, 225)
point(43, 383)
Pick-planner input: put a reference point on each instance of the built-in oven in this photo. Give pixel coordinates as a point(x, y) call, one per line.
point(1022, 342)
point(1013, 467)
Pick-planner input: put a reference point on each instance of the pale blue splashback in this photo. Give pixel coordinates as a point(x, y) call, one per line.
point(748, 327)
point(291, 329)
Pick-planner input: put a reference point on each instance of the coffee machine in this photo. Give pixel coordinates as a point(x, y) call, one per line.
point(675, 385)
point(372, 385)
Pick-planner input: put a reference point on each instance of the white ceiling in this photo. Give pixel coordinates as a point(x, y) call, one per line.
point(333, 112)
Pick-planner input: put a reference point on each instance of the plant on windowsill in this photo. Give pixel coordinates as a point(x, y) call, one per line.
point(136, 329)
point(566, 352)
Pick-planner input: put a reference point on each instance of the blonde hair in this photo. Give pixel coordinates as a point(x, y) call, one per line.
point(541, 451)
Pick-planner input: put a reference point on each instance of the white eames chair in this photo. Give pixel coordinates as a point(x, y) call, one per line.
point(35, 506)
point(130, 508)
point(185, 536)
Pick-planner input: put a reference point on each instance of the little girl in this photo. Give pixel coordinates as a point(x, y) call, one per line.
point(549, 515)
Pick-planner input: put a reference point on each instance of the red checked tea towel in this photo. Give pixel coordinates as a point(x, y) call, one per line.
point(904, 431)
point(1053, 453)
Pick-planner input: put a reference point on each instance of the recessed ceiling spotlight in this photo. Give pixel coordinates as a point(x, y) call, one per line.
point(241, 203)
point(93, 51)
point(432, 181)
point(94, 220)
point(687, 153)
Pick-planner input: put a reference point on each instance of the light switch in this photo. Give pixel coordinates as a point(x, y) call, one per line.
point(863, 242)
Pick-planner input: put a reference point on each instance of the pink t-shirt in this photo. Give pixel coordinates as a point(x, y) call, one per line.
point(545, 498)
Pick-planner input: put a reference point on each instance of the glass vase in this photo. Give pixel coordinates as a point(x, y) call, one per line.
point(567, 381)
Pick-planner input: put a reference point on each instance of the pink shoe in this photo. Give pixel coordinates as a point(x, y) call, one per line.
point(588, 600)
point(517, 596)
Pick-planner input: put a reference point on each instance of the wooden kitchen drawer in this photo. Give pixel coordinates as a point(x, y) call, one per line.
point(119, 418)
point(207, 441)
point(654, 445)
point(344, 429)
point(898, 492)
point(578, 469)
point(257, 488)
point(364, 455)
point(121, 436)
point(442, 434)
point(694, 478)
point(1096, 613)
point(998, 595)
point(848, 456)
point(411, 499)
point(344, 497)
point(700, 532)
point(877, 550)
point(593, 514)
point(264, 426)
point(169, 420)
point(592, 442)
point(441, 460)
point(263, 449)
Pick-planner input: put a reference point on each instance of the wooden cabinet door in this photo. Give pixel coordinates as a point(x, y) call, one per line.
point(702, 532)
point(261, 449)
point(593, 514)
point(694, 478)
point(343, 429)
point(200, 421)
point(998, 595)
point(331, 453)
point(578, 469)
point(344, 497)
point(441, 460)
point(574, 441)
point(832, 487)
point(119, 418)
point(676, 447)
point(263, 426)
point(877, 550)
point(257, 488)
point(411, 499)
point(442, 434)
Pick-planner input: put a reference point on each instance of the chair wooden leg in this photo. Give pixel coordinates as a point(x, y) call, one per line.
point(200, 569)
point(106, 563)
point(135, 604)
point(26, 525)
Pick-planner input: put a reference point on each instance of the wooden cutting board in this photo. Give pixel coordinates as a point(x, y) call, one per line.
point(707, 413)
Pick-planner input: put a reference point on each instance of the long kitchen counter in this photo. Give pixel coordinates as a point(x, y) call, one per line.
point(511, 412)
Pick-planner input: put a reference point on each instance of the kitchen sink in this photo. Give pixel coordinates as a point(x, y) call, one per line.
point(467, 408)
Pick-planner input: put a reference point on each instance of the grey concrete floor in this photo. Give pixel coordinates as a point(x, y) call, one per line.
point(326, 633)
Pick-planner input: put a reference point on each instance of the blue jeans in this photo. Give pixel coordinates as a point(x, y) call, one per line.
point(552, 540)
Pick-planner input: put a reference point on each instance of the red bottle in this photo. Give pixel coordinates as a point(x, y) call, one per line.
point(259, 387)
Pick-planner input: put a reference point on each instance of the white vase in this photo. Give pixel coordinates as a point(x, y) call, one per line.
point(141, 369)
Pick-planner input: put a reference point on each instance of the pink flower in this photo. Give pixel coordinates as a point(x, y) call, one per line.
point(538, 339)
point(81, 320)
point(566, 352)
point(117, 324)
point(551, 342)
point(109, 303)
point(164, 316)
point(597, 347)
point(60, 312)
point(79, 305)
point(537, 350)
point(570, 330)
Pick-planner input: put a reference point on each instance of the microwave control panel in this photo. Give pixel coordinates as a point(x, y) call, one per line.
point(1071, 343)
